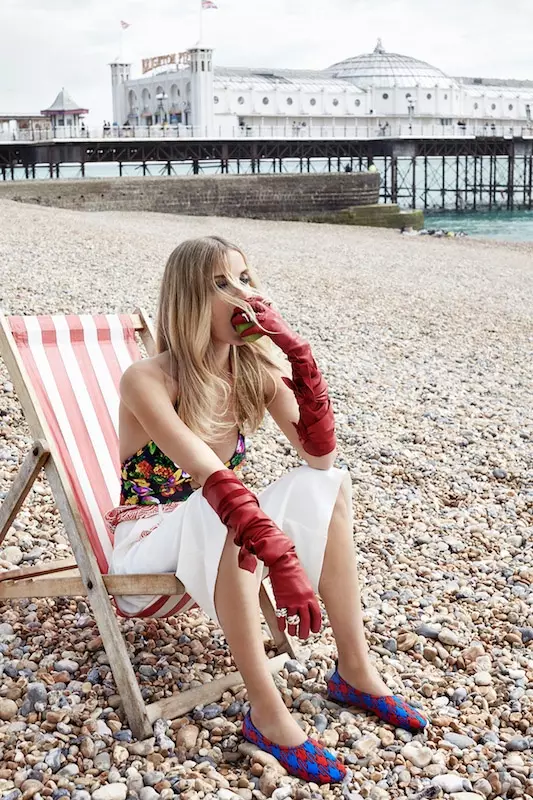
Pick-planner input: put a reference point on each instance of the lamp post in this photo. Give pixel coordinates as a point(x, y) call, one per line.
point(528, 115)
point(410, 112)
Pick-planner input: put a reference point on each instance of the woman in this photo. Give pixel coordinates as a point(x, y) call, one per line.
point(219, 366)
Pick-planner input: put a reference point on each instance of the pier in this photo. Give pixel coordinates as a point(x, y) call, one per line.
point(429, 168)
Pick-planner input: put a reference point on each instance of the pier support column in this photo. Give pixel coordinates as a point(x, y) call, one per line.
point(403, 150)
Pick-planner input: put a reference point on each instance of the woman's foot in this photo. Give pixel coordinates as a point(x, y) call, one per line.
point(366, 679)
point(369, 695)
point(308, 760)
point(278, 726)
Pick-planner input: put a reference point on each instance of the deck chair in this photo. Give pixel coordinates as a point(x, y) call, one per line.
point(66, 371)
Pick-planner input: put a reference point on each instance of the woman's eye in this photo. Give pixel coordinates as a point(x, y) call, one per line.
point(245, 278)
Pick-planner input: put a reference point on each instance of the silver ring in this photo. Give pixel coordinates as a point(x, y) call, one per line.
point(294, 619)
point(281, 612)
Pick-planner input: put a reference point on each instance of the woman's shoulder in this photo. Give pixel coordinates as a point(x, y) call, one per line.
point(155, 368)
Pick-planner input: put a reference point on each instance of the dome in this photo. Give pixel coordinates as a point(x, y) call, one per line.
point(388, 69)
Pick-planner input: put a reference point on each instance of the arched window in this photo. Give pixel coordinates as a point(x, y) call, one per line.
point(385, 96)
point(493, 106)
point(215, 100)
point(357, 102)
point(429, 95)
point(266, 101)
point(289, 101)
point(312, 101)
point(510, 107)
point(240, 101)
point(335, 102)
point(476, 106)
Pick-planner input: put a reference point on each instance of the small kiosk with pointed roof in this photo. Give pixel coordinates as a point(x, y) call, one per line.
point(64, 113)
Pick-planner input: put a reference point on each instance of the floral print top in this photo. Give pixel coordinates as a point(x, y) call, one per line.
point(150, 478)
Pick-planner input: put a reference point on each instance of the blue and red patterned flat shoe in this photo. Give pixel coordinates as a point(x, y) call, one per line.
point(389, 708)
point(310, 761)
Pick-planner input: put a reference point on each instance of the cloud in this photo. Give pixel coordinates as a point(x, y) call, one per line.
point(55, 43)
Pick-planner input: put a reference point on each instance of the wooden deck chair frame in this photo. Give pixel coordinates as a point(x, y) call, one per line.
point(81, 575)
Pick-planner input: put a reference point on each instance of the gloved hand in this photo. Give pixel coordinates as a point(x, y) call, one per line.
point(257, 535)
point(316, 426)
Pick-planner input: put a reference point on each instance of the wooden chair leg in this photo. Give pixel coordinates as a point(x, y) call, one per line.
point(284, 643)
point(30, 468)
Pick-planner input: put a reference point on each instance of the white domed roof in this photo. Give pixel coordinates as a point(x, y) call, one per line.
point(388, 69)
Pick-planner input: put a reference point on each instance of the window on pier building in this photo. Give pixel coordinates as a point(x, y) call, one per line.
point(289, 101)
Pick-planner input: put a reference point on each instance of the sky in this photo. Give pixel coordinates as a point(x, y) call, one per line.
point(48, 44)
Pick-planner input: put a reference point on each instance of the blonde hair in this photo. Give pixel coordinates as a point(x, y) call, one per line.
point(184, 330)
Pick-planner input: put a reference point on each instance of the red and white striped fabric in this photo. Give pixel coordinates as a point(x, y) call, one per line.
point(75, 363)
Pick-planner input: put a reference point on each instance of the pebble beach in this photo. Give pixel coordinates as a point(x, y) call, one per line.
point(427, 346)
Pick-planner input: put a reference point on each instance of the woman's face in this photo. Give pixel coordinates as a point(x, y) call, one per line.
point(221, 328)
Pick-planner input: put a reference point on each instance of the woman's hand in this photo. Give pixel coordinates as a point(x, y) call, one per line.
point(260, 538)
point(316, 426)
point(271, 320)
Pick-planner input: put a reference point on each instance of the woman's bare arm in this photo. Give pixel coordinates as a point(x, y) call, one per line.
point(285, 411)
point(143, 391)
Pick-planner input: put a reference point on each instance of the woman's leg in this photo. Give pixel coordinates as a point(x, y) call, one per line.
point(339, 589)
point(238, 610)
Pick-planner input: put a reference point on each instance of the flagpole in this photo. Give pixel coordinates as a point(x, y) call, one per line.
point(201, 23)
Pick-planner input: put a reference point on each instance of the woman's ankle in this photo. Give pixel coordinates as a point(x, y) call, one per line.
point(277, 725)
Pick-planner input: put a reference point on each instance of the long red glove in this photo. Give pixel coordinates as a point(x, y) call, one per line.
point(316, 426)
point(257, 535)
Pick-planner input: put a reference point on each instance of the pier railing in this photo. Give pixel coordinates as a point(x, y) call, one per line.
point(348, 131)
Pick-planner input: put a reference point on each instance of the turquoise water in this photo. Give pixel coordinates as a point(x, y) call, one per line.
point(510, 226)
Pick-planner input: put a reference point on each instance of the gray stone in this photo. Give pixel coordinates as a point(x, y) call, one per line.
point(429, 631)
point(517, 744)
point(148, 793)
point(451, 782)
point(449, 637)
point(36, 694)
point(292, 665)
point(459, 740)
point(66, 665)
point(151, 778)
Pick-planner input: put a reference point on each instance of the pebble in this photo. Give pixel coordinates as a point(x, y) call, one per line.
point(110, 791)
point(8, 708)
point(459, 740)
point(434, 425)
point(420, 756)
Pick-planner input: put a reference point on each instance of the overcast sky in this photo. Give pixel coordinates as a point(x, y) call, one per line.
point(47, 44)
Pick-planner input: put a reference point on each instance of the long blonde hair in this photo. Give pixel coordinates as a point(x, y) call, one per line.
point(184, 330)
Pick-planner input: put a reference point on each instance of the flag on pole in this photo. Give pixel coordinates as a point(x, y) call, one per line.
point(208, 4)
point(124, 25)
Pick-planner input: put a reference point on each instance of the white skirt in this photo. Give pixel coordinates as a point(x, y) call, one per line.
point(189, 540)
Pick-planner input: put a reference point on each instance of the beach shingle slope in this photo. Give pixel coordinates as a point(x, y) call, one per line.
point(427, 348)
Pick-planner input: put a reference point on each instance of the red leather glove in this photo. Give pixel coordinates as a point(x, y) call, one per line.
point(257, 535)
point(316, 426)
